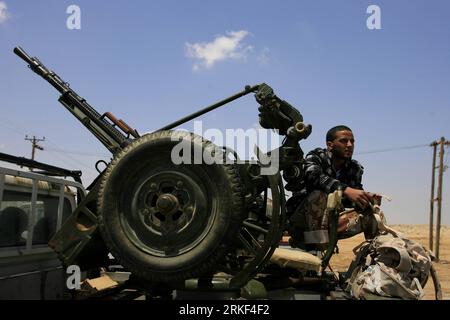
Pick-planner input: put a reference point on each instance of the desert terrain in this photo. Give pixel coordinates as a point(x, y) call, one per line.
point(419, 233)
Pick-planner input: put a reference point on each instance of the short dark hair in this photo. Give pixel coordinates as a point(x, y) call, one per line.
point(331, 134)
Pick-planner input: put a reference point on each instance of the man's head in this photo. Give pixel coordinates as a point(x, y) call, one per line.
point(340, 142)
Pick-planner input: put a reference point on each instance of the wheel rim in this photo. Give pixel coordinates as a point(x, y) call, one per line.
point(260, 253)
point(169, 212)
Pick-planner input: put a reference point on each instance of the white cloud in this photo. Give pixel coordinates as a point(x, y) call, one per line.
point(221, 48)
point(4, 15)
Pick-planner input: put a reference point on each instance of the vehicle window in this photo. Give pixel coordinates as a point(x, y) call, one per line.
point(13, 226)
point(15, 211)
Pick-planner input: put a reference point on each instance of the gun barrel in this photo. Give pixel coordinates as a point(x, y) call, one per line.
point(111, 138)
point(216, 105)
point(22, 54)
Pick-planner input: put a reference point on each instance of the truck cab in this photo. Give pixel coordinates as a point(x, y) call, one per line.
point(33, 207)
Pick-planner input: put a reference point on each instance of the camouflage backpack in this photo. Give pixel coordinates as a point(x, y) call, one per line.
point(390, 266)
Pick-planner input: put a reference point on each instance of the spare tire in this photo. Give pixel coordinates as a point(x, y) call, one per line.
point(166, 222)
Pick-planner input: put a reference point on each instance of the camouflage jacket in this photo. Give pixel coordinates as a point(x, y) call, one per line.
point(320, 174)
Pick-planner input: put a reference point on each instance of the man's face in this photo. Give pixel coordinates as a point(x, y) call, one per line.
point(343, 145)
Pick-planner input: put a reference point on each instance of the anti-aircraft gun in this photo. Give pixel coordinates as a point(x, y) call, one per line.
point(168, 222)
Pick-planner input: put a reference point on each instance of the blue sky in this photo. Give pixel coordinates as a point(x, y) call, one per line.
point(137, 60)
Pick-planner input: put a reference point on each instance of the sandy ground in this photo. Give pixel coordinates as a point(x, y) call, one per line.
point(419, 233)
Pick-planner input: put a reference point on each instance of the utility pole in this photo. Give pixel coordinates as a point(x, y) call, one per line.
point(34, 145)
point(442, 142)
point(432, 199)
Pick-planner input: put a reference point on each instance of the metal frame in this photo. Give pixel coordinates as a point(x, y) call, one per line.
point(35, 177)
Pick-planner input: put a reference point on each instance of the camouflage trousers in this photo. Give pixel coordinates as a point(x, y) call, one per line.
point(308, 224)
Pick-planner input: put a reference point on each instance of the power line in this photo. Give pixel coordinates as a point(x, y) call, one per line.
point(75, 163)
point(13, 129)
point(394, 149)
point(57, 150)
point(80, 153)
point(67, 157)
point(54, 151)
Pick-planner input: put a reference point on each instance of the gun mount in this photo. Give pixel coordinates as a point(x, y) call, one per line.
point(168, 222)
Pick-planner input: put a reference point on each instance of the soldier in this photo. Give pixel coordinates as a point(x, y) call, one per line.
point(325, 171)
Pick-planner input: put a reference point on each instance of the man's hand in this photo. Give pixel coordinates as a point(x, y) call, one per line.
point(362, 198)
point(376, 198)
